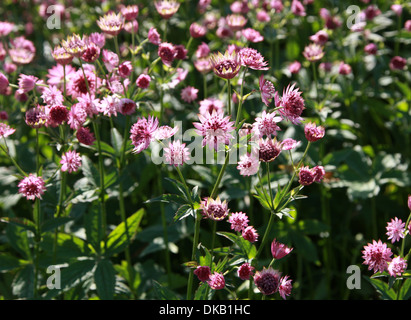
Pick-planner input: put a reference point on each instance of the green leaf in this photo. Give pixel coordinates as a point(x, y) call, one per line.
point(23, 283)
point(20, 222)
point(382, 288)
point(183, 212)
point(8, 262)
point(53, 223)
point(105, 279)
point(90, 171)
point(201, 293)
point(405, 291)
point(119, 238)
point(163, 293)
point(116, 140)
point(92, 224)
point(167, 198)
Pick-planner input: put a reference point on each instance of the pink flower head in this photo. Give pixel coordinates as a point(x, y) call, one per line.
point(398, 63)
point(267, 280)
point(189, 94)
point(245, 271)
point(153, 36)
point(215, 128)
point(202, 51)
point(74, 45)
point(5, 28)
point(203, 65)
point(371, 48)
point(306, 176)
point(409, 202)
point(22, 51)
point(197, 30)
point(292, 104)
point(397, 266)
point(91, 53)
point(225, 66)
point(252, 35)
point(211, 104)
point(84, 136)
point(57, 115)
point(239, 221)
point(371, 12)
point(214, 209)
point(142, 133)
point(313, 52)
point(319, 173)
point(143, 81)
point(130, 12)
point(263, 16)
point(297, 8)
point(166, 8)
point(313, 133)
point(377, 256)
point(344, 68)
point(36, 117)
point(77, 116)
point(279, 250)
point(6, 130)
point(181, 52)
point(97, 38)
point(125, 69)
point(4, 83)
point(320, 38)
point(294, 67)
point(27, 83)
point(248, 164)
point(252, 59)
point(266, 125)
point(110, 59)
point(203, 273)
point(165, 132)
point(269, 149)
point(395, 230)
point(267, 90)
point(250, 234)
point(407, 25)
point(236, 21)
point(176, 154)
point(111, 23)
point(216, 281)
point(285, 287)
point(61, 56)
point(80, 85)
point(55, 75)
point(126, 106)
point(52, 96)
point(167, 53)
point(32, 187)
point(70, 161)
point(289, 143)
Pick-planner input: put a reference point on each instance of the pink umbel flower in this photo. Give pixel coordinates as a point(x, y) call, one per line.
point(166, 8)
point(127, 106)
point(27, 83)
point(216, 281)
point(267, 280)
point(203, 65)
point(70, 161)
point(215, 128)
point(225, 66)
point(285, 287)
point(4, 83)
point(142, 133)
point(203, 273)
point(289, 143)
point(52, 96)
point(84, 136)
point(55, 75)
point(77, 116)
point(239, 221)
point(269, 149)
point(74, 45)
point(306, 176)
point(110, 59)
point(297, 8)
point(5, 28)
point(176, 154)
point(125, 69)
point(313, 133)
point(320, 38)
point(197, 30)
point(97, 38)
point(344, 69)
point(32, 187)
point(252, 59)
point(203, 50)
point(111, 23)
point(313, 52)
point(153, 36)
point(371, 48)
point(143, 81)
point(319, 173)
point(407, 25)
point(236, 21)
point(266, 125)
point(167, 53)
point(279, 250)
point(292, 104)
point(91, 53)
point(6, 130)
point(109, 105)
point(61, 56)
point(165, 132)
point(294, 67)
point(395, 230)
point(214, 209)
point(397, 63)
point(397, 266)
point(267, 90)
point(189, 94)
point(36, 117)
point(181, 52)
point(252, 35)
point(57, 115)
point(209, 105)
point(80, 85)
point(377, 256)
point(248, 164)
point(22, 51)
point(250, 234)
point(129, 12)
point(245, 271)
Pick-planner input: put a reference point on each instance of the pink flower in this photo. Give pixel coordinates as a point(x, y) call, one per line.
point(236, 21)
point(267, 90)
point(252, 59)
point(294, 67)
point(6, 130)
point(397, 266)
point(319, 173)
point(248, 164)
point(371, 48)
point(4, 83)
point(181, 52)
point(250, 234)
point(203, 273)
point(36, 117)
point(80, 85)
point(297, 8)
point(111, 23)
point(153, 36)
point(215, 128)
point(77, 116)
point(167, 53)
point(127, 106)
point(313, 52)
point(214, 209)
point(27, 83)
point(70, 161)
point(6, 28)
point(407, 25)
point(109, 105)
point(84, 136)
point(142, 133)
point(166, 8)
point(197, 30)
point(97, 38)
point(395, 230)
point(239, 221)
point(320, 38)
point(267, 280)
point(344, 68)
point(292, 104)
point(143, 81)
point(266, 125)
point(252, 35)
point(398, 63)
point(176, 154)
point(289, 143)
point(245, 271)
point(211, 104)
point(91, 53)
point(313, 133)
point(52, 96)
point(32, 187)
point(125, 69)
point(189, 94)
point(202, 51)
point(279, 250)
point(57, 115)
point(130, 12)
point(377, 256)
point(285, 287)
point(74, 45)
point(306, 176)
point(225, 66)
point(56, 75)
point(269, 149)
point(22, 51)
point(165, 132)
point(216, 281)
point(409, 202)
point(110, 59)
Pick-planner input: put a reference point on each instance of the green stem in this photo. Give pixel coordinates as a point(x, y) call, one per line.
point(229, 96)
point(240, 103)
point(315, 82)
point(265, 237)
point(198, 219)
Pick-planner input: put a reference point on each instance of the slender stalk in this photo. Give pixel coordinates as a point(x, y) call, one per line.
point(315, 81)
point(240, 103)
point(229, 96)
point(198, 219)
point(37, 221)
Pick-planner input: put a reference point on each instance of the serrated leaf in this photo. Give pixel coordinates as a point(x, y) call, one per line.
point(105, 279)
point(183, 212)
point(382, 288)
